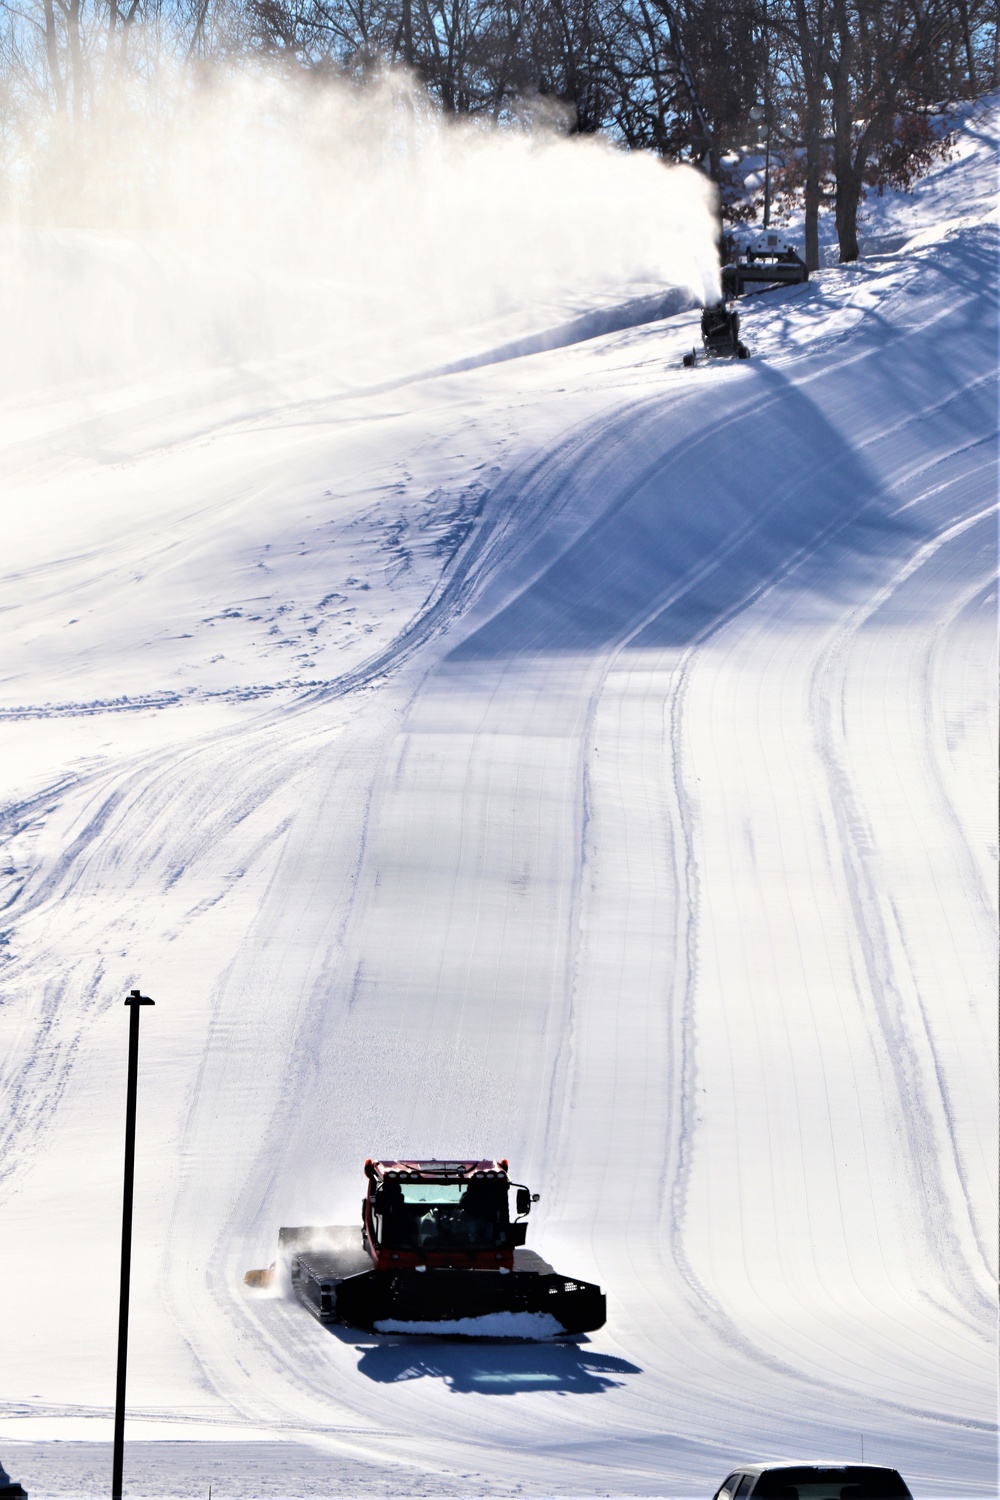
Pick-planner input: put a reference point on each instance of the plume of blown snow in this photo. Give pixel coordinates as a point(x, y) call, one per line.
point(231, 221)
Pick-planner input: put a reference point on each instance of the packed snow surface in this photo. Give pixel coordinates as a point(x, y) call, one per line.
point(562, 756)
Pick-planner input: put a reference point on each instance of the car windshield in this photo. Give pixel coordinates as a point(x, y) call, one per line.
point(830, 1483)
point(443, 1216)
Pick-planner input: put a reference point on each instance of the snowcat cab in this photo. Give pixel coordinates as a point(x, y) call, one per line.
point(774, 249)
point(768, 261)
point(438, 1251)
point(442, 1214)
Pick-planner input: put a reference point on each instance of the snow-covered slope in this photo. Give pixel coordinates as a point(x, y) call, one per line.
point(571, 757)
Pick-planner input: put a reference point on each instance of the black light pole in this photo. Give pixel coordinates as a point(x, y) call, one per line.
point(134, 1001)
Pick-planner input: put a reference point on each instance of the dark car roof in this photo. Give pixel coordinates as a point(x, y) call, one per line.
point(786, 1476)
point(810, 1463)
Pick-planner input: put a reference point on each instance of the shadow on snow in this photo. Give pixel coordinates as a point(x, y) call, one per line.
point(698, 502)
point(496, 1369)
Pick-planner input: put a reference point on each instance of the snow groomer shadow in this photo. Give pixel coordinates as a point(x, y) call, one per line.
point(496, 1368)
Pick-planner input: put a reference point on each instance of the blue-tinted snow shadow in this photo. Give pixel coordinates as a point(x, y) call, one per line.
point(762, 472)
point(496, 1369)
point(591, 325)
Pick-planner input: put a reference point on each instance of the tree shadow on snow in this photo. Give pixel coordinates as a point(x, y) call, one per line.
point(708, 496)
point(501, 1368)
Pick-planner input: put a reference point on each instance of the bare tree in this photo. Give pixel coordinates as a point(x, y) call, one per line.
point(848, 84)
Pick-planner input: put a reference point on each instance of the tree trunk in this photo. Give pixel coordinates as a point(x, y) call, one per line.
point(77, 65)
point(970, 59)
point(848, 198)
point(814, 170)
point(811, 29)
point(109, 48)
point(52, 56)
point(850, 174)
point(813, 174)
point(848, 182)
point(196, 43)
point(408, 33)
point(128, 21)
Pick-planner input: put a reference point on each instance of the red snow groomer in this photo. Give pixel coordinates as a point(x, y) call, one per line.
point(437, 1251)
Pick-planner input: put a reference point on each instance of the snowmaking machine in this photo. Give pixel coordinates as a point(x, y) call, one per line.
point(769, 262)
point(437, 1252)
point(720, 335)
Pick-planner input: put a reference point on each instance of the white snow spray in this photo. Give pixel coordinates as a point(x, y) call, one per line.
point(233, 221)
